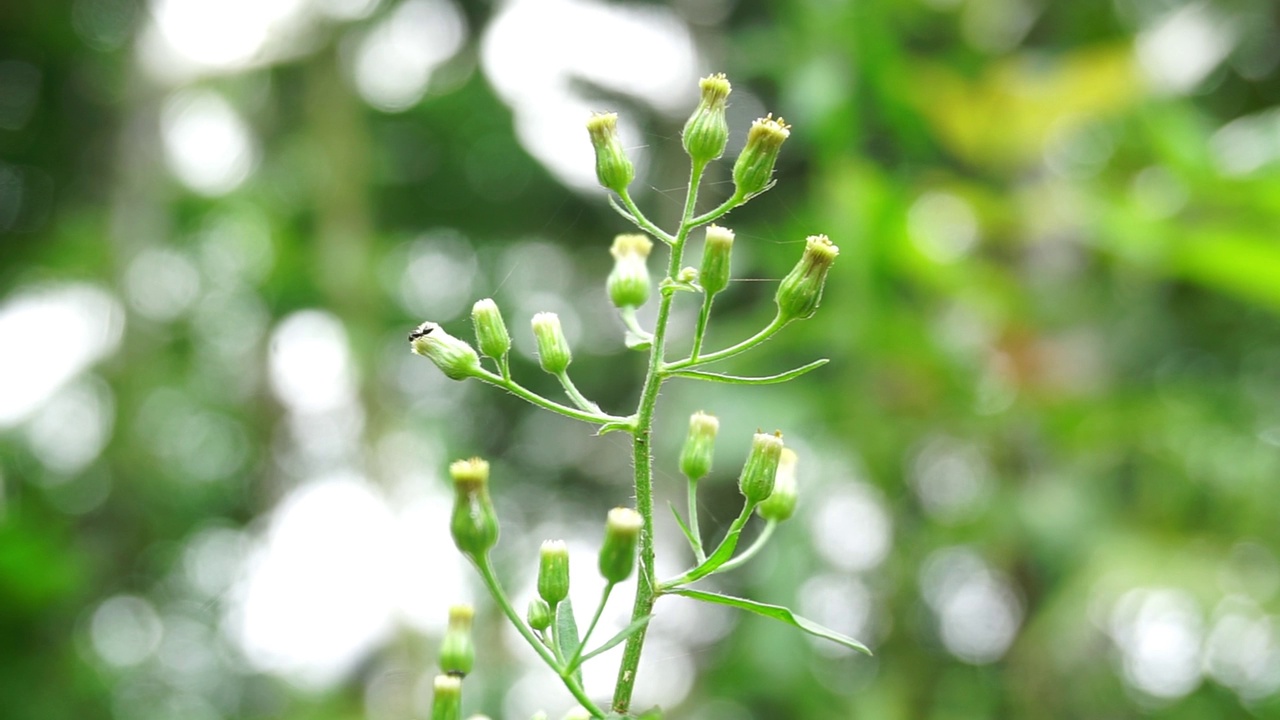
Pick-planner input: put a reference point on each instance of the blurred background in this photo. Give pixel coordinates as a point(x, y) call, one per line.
point(1039, 476)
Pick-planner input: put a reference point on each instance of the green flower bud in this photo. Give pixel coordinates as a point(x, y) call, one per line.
point(754, 167)
point(553, 348)
point(613, 169)
point(707, 131)
point(539, 615)
point(618, 553)
point(447, 703)
point(714, 274)
point(801, 290)
point(629, 282)
point(781, 503)
point(455, 358)
point(756, 481)
point(553, 572)
point(457, 652)
point(474, 523)
point(491, 331)
point(699, 446)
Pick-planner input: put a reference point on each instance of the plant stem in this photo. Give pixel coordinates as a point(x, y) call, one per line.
point(577, 397)
point(750, 552)
point(604, 600)
point(643, 222)
point(500, 596)
point(520, 391)
point(698, 552)
point(642, 455)
point(700, 332)
point(711, 564)
point(769, 330)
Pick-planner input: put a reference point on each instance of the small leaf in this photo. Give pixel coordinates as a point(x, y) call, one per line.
point(567, 633)
point(777, 612)
point(612, 642)
point(688, 534)
point(740, 380)
point(616, 426)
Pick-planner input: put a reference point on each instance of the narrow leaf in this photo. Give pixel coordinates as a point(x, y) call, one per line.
point(688, 534)
point(567, 633)
point(777, 612)
point(612, 642)
point(740, 380)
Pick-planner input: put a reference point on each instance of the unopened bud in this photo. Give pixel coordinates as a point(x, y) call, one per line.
point(801, 290)
point(707, 131)
point(613, 169)
point(539, 615)
point(754, 167)
point(491, 331)
point(714, 273)
point(553, 572)
point(457, 652)
point(629, 281)
point(781, 503)
point(756, 481)
point(618, 552)
point(474, 523)
point(455, 358)
point(447, 702)
point(553, 348)
point(699, 446)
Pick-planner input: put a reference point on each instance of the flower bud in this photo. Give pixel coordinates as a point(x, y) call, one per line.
point(714, 273)
point(539, 615)
point(756, 481)
point(457, 652)
point(474, 523)
point(455, 358)
point(801, 290)
point(613, 168)
point(699, 446)
point(577, 713)
point(754, 167)
point(618, 552)
point(629, 282)
point(447, 703)
point(707, 131)
point(553, 572)
point(491, 331)
point(781, 503)
point(553, 348)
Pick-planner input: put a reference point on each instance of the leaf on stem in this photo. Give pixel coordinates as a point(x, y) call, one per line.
point(614, 641)
point(567, 634)
point(740, 380)
point(777, 612)
point(637, 342)
point(616, 425)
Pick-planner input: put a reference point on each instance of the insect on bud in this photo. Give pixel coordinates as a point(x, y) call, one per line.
point(699, 446)
point(613, 169)
point(781, 503)
point(553, 349)
point(801, 290)
point(756, 481)
point(754, 167)
point(714, 273)
point(553, 572)
point(455, 358)
point(707, 131)
point(447, 702)
point(491, 331)
point(628, 283)
point(457, 652)
point(474, 523)
point(539, 614)
point(618, 552)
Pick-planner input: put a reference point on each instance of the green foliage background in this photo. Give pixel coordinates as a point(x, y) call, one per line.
point(1101, 350)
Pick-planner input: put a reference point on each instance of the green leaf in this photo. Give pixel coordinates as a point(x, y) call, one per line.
point(688, 534)
point(740, 380)
point(777, 612)
point(615, 426)
point(626, 632)
point(567, 633)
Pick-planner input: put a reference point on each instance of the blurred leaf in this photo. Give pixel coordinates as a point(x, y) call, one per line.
point(777, 612)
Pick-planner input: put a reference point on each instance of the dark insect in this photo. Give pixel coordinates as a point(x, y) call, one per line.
point(422, 330)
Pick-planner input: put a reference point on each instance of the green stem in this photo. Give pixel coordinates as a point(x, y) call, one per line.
point(750, 552)
point(698, 552)
point(724, 209)
point(604, 600)
point(629, 319)
point(769, 331)
point(519, 391)
point(491, 582)
point(710, 565)
point(577, 397)
point(701, 331)
point(643, 222)
point(642, 456)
